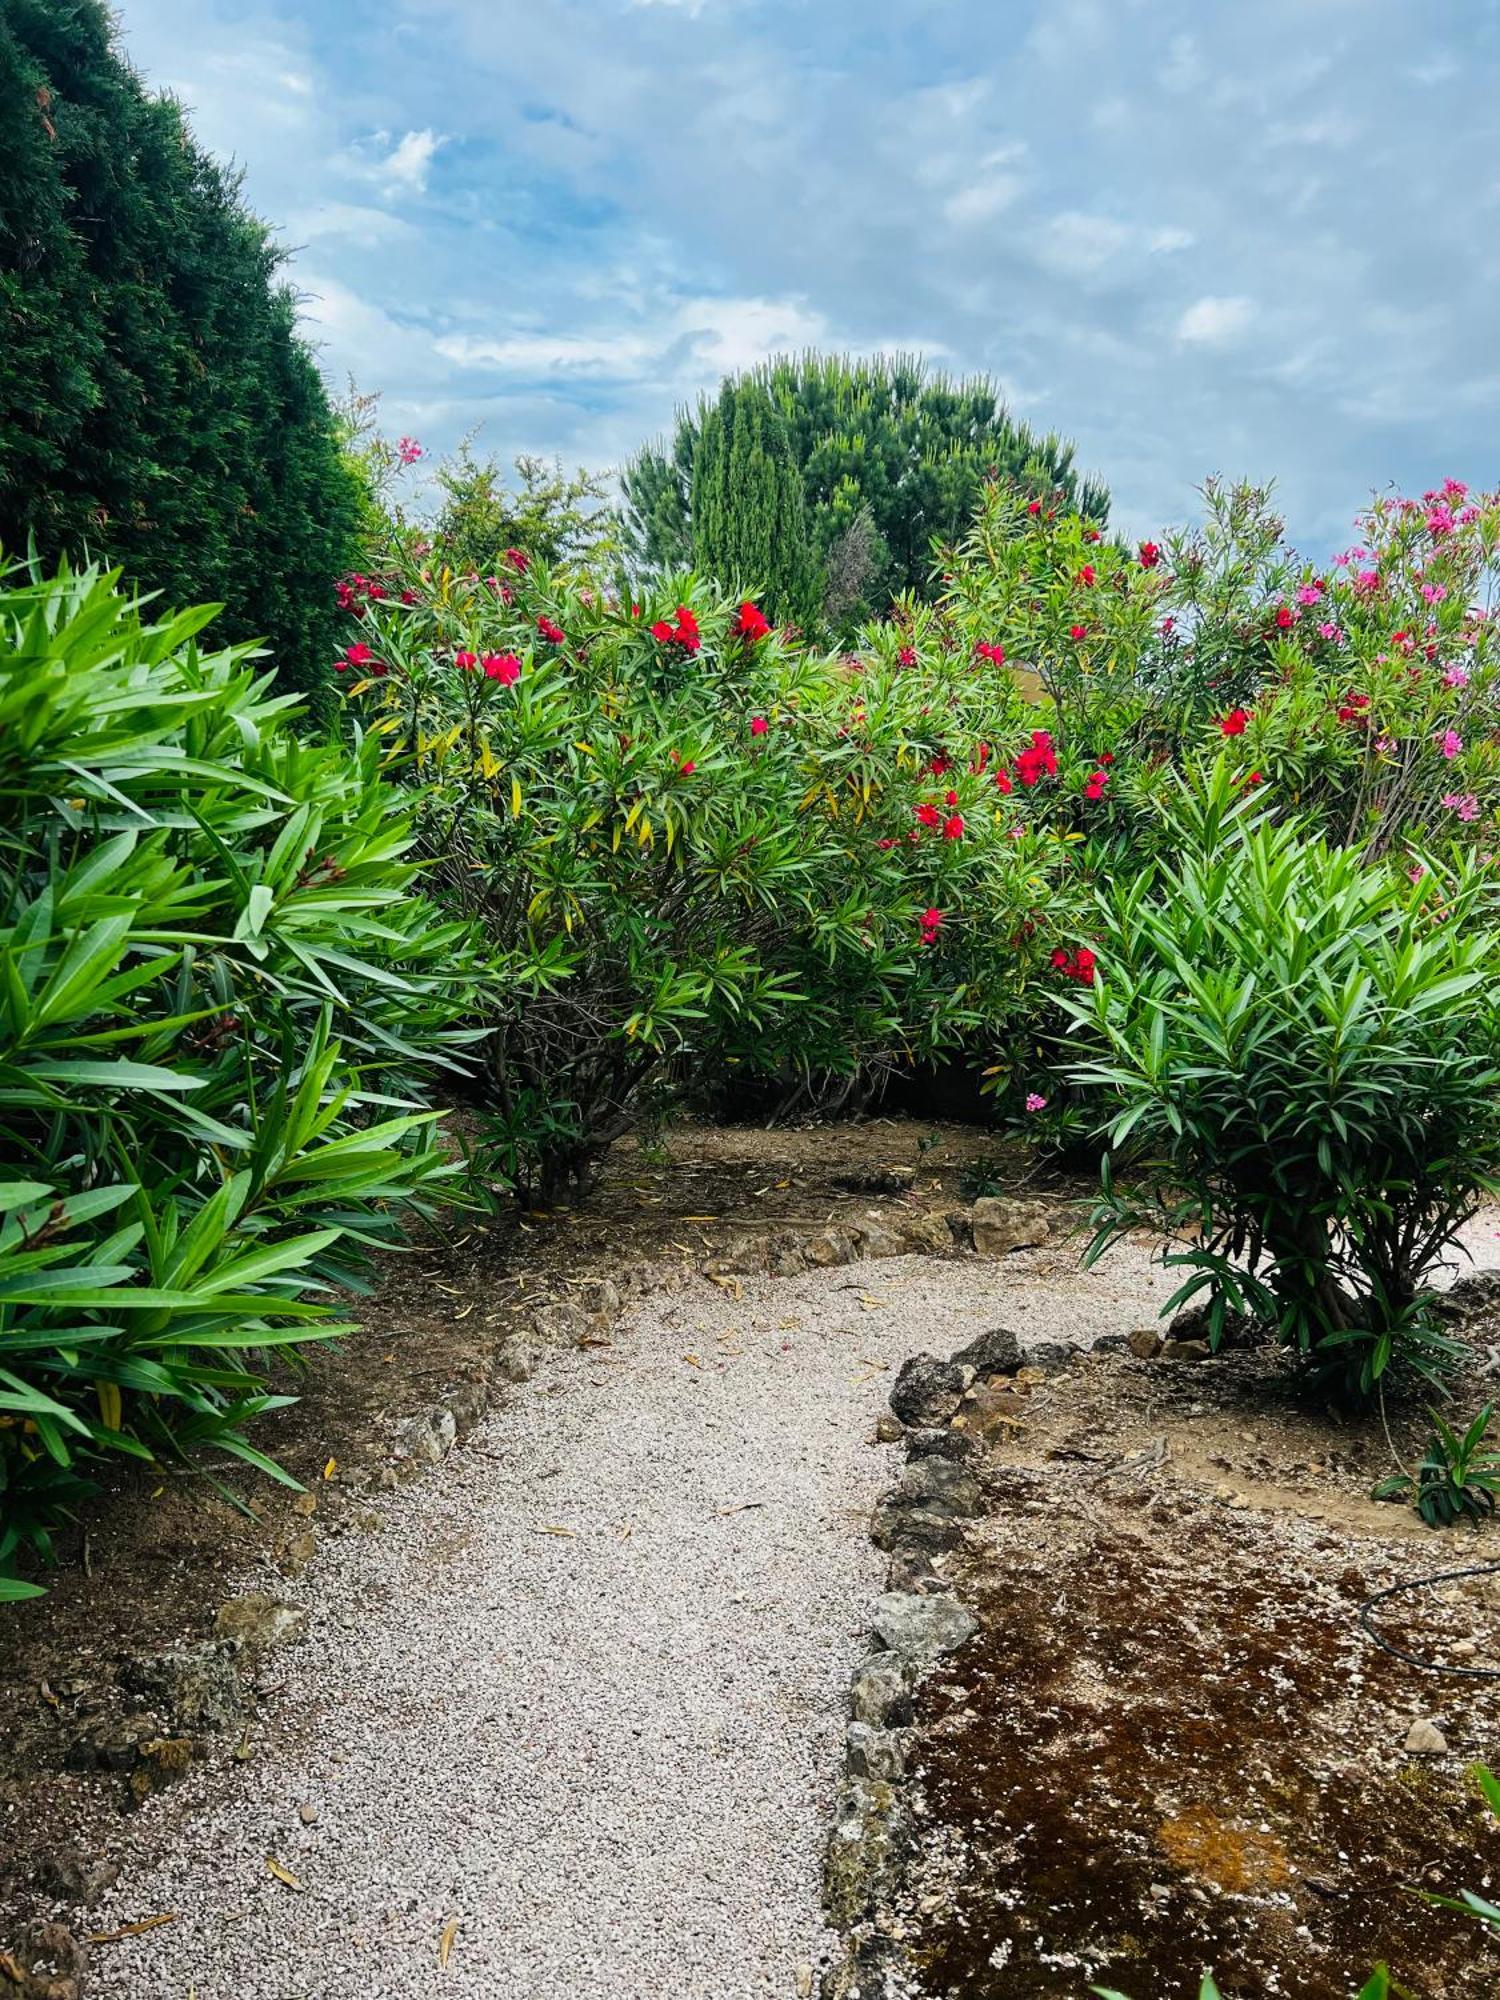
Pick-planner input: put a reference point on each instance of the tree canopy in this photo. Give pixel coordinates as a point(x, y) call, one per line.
point(891, 456)
point(157, 405)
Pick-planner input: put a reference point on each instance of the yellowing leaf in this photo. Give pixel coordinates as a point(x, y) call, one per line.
point(283, 1874)
point(330, 1468)
point(445, 1942)
point(133, 1930)
point(109, 1404)
point(515, 797)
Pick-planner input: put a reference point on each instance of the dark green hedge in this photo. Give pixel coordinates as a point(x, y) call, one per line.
point(156, 402)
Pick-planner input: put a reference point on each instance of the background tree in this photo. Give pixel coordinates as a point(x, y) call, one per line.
point(910, 448)
point(749, 526)
point(556, 518)
point(157, 405)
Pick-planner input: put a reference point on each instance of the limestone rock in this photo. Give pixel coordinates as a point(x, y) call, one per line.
point(1002, 1223)
point(830, 1247)
point(1185, 1350)
point(923, 1628)
point(864, 1849)
point(901, 1523)
point(928, 1391)
point(260, 1622)
point(941, 1484)
point(1425, 1739)
point(997, 1352)
point(881, 1691)
point(195, 1689)
point(875, 1753)
point(927, 1234)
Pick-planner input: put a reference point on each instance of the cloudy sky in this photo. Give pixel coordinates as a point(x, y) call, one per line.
point(1248, 236)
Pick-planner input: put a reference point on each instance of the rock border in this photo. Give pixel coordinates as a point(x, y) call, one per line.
point(940, 1413)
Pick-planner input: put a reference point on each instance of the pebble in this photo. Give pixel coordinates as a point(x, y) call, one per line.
point(1426, 1739)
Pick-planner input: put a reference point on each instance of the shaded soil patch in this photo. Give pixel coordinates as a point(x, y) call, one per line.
point(1172, 1746)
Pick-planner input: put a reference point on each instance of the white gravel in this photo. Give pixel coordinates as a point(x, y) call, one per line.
point(606, 1755)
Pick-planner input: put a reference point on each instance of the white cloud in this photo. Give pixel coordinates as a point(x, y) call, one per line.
point(410, 161)
point(1165, 242)
point(982, 200)
point(613, 355)
point(1080, 245)
point(350, 222)
point(1214, 322)
point(696, 340)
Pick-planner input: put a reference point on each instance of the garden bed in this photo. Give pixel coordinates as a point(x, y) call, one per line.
point(1172, 1744)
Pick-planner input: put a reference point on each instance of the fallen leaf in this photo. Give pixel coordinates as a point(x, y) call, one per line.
point(445, 1942)
point(730, 1285)
point(49, 1697)
point(692, 1361)
point(593, 1340)
point(700, 1218)
point(870, 1362)
point(627, 1529)
point(133, 1930)
point(330, 1468)
point(284, 1874)
point(571, 1533)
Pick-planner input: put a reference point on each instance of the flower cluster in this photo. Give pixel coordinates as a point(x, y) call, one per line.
point(750, 624)
point(1077, 964)
point(683, 632)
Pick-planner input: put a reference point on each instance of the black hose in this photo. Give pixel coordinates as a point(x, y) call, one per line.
point(1426, 1583)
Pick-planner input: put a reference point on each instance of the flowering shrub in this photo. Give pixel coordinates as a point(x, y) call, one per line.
point(697, 847)
point(1303, 1048)
point(222, 992)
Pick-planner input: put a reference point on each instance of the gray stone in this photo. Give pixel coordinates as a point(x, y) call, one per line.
point(308, 1815)
point(927, 1235)
point(915, 1569)
point(944, 1442)
point(829, 1247)
point(1051, 1356)
point(941, 1484)
point(787, 1261)
point(898, 1522)
point(928, 1391)
point(876, 1239)
point(923, 1628)
point(1185, 1350)
point(427, 1437)
point(875, 1753)
point(516, 1361)
point(194, 1688)
point(997, 1352)
point(75, 1876)
point(880, 1692)
point(863, 1850)
point(1111, 1343)
point(260, 1622)
point(889, 1429)
point(1001, 1224)
point(1425, 1739)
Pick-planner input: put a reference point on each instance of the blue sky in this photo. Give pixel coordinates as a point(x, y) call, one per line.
point(1246, 236)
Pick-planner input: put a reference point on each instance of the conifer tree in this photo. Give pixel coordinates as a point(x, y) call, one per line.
point(749, 526)
point(157, 404)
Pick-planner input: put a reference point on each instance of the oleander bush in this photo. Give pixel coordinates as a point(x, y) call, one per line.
point(1300, 1045)
point(698, 848)
point(223, 997)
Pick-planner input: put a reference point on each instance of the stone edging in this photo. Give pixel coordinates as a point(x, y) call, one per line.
point(939, 1411)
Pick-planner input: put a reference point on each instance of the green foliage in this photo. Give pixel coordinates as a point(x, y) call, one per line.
point(557, 519)
point(697, 848)
point(157, 405)
point(220, 988)
point(1457, 1478)
point(749, 524)
point(892, 459)
point(1302, 1050)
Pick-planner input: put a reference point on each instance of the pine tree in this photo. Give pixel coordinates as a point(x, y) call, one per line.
point(882, 443)
point(157, 405)
point(749, 526)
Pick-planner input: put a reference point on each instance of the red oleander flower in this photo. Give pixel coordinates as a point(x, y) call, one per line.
point(1286, 618)
point(1077, 632)
point(751, 623)
point(1095, 787)
point(759, 725)
point(518, 560)
point(986, 650)
point(1086, 574)
point(687, 634)
point(1233, 724)
point(661, 632)
point(1002, 782)
point(1150, 555)
point(502, 667)
point(1033, 506)
point(950, 798)
point(466, 662)
point(1107, 758)
point(932, 923)
point(551, 632)
point(907, 657)
point(928, 815)
point(953, 827)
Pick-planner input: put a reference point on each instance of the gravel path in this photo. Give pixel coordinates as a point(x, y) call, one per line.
point(582, 1696)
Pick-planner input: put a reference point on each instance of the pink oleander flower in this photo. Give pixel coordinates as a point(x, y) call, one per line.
point(1331, 632)
point(1034, 1102)
point(408, 450)
point(1367, 581)
point(1463, 803)
point(1451, 744)
point(1456, 677)
point(1310, 593)
point(1434, 592)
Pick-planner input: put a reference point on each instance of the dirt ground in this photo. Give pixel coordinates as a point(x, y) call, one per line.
point(1173, 1745)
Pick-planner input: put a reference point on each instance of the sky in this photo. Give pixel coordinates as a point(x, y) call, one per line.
point(1253, 237)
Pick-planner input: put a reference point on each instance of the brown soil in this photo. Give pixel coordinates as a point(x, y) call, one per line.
point(153, 1556)
point(1172, 1745)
